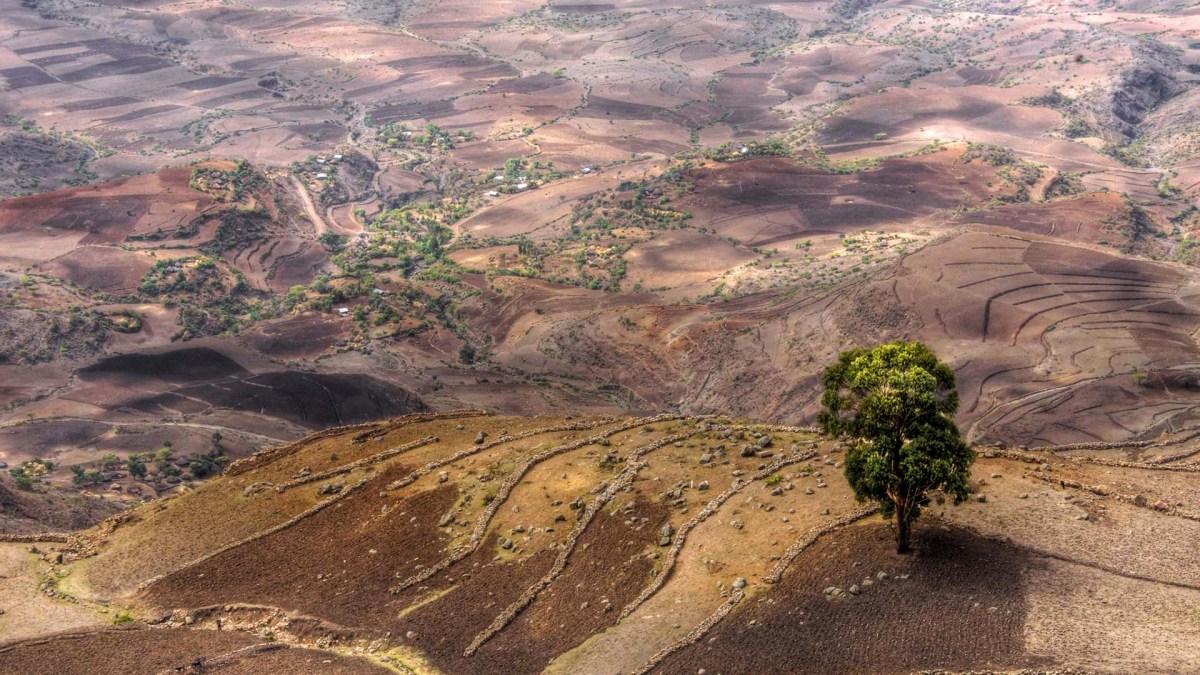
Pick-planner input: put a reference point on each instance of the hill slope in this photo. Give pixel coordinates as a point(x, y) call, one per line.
point(463, 542)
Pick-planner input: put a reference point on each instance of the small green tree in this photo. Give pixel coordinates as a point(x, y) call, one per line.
point(136, 467)
point(895, 404)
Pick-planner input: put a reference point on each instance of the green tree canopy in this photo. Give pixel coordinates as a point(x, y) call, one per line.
point(895, 404)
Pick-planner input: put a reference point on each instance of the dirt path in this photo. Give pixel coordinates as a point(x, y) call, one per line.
point(268, 440)
point(318, 222)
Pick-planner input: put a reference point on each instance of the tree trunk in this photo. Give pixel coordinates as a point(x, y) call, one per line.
point(903, 530)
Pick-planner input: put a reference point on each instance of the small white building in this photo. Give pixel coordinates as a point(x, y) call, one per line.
point(493, 193)
point(745, 150)
point(337, 157)
point(587, 169)
point(322, 176)
point(498, 177)
point(522, 186)
point(343, 311)
point(320, 160)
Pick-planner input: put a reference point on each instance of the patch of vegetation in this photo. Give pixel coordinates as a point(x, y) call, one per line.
point(728, 152)
point(212, 297)
point(227, 186)
point(433, 137)
point(26, 473)
point(35, 335)
point(1064, 184)
point(1133, 154)
point(238, 229)
point(126, 321)
point(1076, 127)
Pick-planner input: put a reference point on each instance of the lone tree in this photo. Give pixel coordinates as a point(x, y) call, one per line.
point(895, 404)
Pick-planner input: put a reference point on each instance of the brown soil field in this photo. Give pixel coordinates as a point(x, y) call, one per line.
point(617, 89)
point(194, 379)
point(100, 268)
point(225, 227)
point(150, 650)
point(771, 201)
point(958, 604)
point(689, 260)
point(305, 336)
point(105, 215)
point(1085, 219)
point(591, 545)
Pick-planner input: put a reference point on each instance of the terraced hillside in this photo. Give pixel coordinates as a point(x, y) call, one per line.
point(463, 542)
point(340, 213)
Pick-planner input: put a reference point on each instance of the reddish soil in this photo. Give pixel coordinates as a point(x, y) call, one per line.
point(608, 568)
point(304, 336)
point(314, 400)
point(768, 201)
point(443, 628)
point(962, 608)
point(101, 268)
point(1084, 219)
point(158, 650)
point(195, 379)
point(324, 565)
point(186, 365)
point(107, 214)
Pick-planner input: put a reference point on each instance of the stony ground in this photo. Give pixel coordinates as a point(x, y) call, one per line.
point(473, 543)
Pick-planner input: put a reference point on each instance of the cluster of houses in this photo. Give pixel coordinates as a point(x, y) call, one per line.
point(345, 311)
point(523, 182)
point(322, 159)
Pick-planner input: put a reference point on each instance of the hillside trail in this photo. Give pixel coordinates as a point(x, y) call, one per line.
point(309, 208)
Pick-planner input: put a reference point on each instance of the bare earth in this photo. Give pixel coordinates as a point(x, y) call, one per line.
point(226, 227)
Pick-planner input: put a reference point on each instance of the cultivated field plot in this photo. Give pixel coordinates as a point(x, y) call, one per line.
point(474, 246)
point(1050, 338)
point(466, 542)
